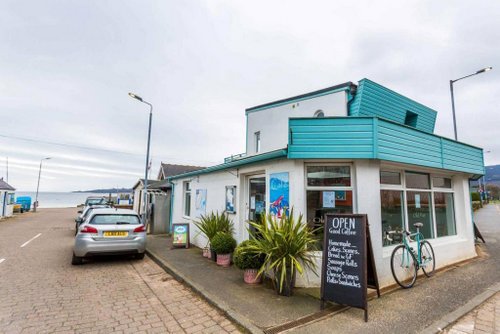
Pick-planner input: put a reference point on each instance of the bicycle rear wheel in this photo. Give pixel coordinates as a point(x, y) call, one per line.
point(403, 267)
point(428, 260)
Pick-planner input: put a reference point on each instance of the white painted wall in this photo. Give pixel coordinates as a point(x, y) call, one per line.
point(273, 122)
point(366, 197)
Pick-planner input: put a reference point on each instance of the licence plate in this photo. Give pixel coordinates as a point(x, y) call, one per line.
point(115, 233)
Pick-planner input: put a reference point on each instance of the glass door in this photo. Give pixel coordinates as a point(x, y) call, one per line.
point(257, 198)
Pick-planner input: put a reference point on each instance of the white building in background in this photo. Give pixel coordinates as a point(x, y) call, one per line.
point(346, 149)
point(7, 199)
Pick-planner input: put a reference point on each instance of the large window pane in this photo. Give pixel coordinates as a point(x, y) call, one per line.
point(445, 214)
point(321, 202)
point(418, 181)
point(419, 211)
point(441, 182)
point(392, 214)
point(390, 177)
point(329, 176)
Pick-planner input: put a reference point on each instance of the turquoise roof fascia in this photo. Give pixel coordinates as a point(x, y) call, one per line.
point(282, 153)
point(378, 138)
point(331, 90)
point(373, 99)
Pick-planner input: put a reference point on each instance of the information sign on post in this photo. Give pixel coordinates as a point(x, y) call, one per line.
point(180, 235)
point(346, 252)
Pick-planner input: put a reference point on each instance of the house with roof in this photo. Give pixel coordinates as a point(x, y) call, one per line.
point(7, 199)
point(351, 148)
point(159, 197)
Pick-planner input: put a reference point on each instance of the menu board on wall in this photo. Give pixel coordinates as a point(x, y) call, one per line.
point(348, 262)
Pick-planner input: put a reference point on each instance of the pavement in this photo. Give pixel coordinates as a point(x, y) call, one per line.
point(432, 305)
point(41, 292)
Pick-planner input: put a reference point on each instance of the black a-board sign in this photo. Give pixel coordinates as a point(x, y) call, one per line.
point(348, 264)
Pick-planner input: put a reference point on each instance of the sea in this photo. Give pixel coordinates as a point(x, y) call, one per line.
point(58, 199)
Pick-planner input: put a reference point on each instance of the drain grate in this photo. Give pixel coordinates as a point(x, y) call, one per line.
point(306, 320)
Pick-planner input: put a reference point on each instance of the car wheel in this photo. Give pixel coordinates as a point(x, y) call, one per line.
point(140, 256)
point(76, 260)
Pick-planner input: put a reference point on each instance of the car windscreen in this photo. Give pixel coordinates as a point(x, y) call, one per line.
point(93, 201)
point(114, 219)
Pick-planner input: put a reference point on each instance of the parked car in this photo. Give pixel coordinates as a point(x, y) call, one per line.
point(92, 201)
point(109, 231)
point(86, 212)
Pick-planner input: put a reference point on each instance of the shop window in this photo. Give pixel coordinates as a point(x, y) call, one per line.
point(414, 201)
point(392, 214)
point(445, 214)
point(390, 177)
point(441, 182)
point(417, 180)
point(187, 199)
point(328, 176)
point(418, 204)
point(328, 191)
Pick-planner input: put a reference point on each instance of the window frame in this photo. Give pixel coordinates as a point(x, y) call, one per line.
point(186, 191)
point(257, 142)
point(432, 189)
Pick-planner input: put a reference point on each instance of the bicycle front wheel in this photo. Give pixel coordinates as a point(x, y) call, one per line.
point(403, 266)
point(428, 260)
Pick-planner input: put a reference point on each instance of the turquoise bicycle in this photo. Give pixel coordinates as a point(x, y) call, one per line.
point(406, 261)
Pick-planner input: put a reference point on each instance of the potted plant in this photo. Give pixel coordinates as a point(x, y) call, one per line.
point(223, 244)
point(287, 244)
point(249, 262)
point(210, 225)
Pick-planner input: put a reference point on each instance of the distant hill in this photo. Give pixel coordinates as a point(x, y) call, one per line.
point(493, 175)
point(105, 191)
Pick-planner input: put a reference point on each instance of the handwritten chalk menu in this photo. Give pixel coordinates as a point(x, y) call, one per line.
point(344, 271)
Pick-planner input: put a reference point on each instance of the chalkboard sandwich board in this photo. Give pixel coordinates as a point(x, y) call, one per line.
point(347, 258)
point(180, 235)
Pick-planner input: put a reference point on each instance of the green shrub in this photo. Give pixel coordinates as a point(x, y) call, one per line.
point(213, 223)
point(475, 196)
point(244, 258)
point(223, 243)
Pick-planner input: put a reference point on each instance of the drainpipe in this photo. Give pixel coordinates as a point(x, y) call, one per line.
point(171, 204)
point(353, 90)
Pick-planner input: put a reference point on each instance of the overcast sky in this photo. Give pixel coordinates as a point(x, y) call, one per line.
point(66, 68)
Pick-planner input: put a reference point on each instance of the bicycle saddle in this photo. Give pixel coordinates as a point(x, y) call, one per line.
point(418, 225)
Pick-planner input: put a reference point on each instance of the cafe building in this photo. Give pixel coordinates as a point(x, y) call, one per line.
point(351, 148)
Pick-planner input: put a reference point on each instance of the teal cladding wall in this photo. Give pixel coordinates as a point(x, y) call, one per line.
point(373, 99)
point(375, 138)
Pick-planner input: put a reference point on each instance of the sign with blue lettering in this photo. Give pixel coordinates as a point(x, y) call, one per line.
point(348, 264)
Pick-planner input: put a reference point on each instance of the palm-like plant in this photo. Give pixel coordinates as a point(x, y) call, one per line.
point(213, 223)
point(287, 244)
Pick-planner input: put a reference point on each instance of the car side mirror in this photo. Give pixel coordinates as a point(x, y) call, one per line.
point(79, 211)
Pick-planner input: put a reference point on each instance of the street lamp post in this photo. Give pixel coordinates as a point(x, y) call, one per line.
point(453, 99)
point(35, 204)
point(137, 97)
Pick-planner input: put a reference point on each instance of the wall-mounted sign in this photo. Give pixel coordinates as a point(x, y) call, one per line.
point(180, 235)
point(348, 263)
point(201, 202)
point(231, 199)
point(279, 194)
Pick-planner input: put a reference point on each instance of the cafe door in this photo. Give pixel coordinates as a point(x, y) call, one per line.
point(256, 198)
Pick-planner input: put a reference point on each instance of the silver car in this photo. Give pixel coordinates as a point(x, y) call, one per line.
point(110, 232)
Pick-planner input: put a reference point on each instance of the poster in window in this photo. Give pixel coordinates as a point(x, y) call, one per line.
point(201, 201)
point(279, 194)
point(231, 199)
point(417, 201)
point(329, 199)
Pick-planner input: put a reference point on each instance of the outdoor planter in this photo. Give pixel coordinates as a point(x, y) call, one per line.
point(213, 255)
point(250, 276)
point(224, 260)
point(206, 252)
point(288, 283)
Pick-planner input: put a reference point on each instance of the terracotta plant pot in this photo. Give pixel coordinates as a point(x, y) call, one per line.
point(224, 260)
point(206, 252)
point(250, 276)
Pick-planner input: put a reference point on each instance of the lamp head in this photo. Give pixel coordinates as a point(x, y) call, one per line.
point(486, 69)
point(137, 97)
point(48, 158)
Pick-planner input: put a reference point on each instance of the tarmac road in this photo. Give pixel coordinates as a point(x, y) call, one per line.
point(41, 292)
point(412, 310)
